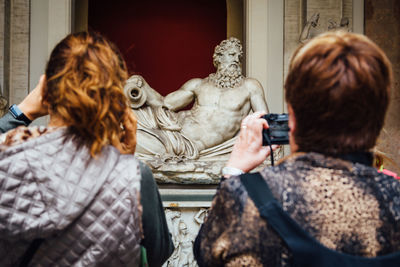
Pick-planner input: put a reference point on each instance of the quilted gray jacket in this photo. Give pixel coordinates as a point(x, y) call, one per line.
point(87, 210)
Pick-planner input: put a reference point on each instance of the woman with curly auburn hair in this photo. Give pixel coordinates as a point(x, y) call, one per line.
point(77, 195)
point(85, 91)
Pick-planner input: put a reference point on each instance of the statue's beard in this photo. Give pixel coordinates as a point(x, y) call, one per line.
point(228, 77)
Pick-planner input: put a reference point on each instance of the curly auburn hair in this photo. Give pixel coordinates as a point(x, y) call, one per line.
point(85, 80)
point(338, 87)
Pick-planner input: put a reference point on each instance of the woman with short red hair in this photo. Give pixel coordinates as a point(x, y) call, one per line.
point(324, 205)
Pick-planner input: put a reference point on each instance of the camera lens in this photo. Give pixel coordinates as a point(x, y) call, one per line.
point(273, 117)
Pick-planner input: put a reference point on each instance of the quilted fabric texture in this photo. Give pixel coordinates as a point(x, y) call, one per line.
point(87, 210)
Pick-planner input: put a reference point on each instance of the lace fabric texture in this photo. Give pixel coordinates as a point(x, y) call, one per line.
point(348, 207)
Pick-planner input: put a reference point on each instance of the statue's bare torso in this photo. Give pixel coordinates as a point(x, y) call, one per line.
point(217, 112)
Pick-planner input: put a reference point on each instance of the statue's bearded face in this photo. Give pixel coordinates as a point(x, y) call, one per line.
point(226, 59)
point(228, 50)
point(230, 58)
point(229, 72)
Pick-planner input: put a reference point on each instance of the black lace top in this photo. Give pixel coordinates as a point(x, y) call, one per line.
point(348, 207)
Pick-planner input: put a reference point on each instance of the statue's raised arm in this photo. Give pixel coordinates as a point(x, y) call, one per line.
point(257, 97)
point(182, 97)
point(306, 33)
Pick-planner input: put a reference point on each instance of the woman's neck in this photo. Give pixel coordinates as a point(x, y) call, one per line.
point(56, 121)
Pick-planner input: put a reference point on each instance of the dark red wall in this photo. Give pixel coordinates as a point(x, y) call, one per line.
point(167, 42)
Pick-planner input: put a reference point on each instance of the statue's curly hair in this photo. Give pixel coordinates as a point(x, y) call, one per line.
point(223, 47)
point(85, 79)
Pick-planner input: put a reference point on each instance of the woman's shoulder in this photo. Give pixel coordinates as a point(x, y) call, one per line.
point(232, 184)
point(232, 191)
point(386, 189)
point(22, 134)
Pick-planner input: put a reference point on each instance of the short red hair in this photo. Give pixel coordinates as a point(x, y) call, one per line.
point(338, 87)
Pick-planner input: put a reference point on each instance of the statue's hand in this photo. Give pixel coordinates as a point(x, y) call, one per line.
point(332, 24)
point(167, 120)
point(314, 19)
point(127, 142)
point(173, 128)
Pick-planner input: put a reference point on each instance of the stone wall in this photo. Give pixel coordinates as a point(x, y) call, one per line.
point(2, 20)
point(382, 25)
point(15, 49)
point(298, 12)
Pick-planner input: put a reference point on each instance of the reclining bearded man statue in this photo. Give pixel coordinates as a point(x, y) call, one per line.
point(221, 101)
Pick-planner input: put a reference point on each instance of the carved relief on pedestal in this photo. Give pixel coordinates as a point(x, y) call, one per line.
point(184, 225)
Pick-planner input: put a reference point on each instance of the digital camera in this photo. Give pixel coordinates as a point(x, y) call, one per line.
point(278, 131)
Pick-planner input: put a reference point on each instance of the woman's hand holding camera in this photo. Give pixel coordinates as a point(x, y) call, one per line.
point(248, 151)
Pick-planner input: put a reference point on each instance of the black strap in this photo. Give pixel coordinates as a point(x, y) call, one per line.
point(30, 252)
point(257, 188)
point(272, 155)
point(365, 158)
point(306, 250)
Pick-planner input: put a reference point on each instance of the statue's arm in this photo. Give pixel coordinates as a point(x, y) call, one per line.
point(313, 22)
point(183, 96)
point(304, 36)
point(257, 98)
point(153, 97)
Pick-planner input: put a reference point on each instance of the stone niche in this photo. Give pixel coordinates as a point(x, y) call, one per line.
point(187, 196)
point(303, 19)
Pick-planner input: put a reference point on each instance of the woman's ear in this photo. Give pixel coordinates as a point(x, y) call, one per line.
point(292, 119)
point(292, 126)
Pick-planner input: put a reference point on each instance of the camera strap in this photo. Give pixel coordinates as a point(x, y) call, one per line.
point(306, 250)
point(271, 154)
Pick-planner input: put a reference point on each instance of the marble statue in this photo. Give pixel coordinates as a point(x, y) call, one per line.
point(172, 217)
point(221, 101)
point(184, 247)
point(200, 216)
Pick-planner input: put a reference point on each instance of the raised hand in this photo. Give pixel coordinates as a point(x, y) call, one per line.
point(248, 151)
point(32, 105)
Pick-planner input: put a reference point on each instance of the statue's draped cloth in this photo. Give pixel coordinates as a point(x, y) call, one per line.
point(157, 121)
point(163, 125)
